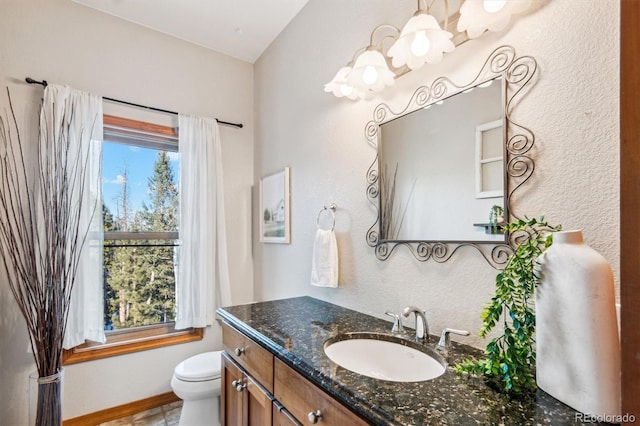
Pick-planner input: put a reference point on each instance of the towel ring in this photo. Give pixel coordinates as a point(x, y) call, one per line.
point(332, 209)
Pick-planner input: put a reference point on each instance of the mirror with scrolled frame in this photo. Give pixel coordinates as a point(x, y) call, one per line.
point(448, 164)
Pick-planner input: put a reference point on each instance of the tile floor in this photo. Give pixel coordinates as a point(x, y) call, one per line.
point(167, 415)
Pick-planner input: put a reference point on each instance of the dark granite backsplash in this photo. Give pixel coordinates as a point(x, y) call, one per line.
point(295, 331)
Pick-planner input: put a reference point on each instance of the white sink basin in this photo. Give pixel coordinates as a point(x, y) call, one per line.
point(390, 359)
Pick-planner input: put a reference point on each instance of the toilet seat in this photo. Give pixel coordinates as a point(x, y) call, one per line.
point(200, 368)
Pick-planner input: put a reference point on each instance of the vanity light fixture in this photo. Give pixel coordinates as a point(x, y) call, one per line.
point(339, 86)
point(421, 41)
point(478, 16)
point(367, 72)
point(371, 72)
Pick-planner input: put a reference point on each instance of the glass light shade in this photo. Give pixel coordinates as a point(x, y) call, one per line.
point(478, 16)
point(370, 72)
point(339, 87)
point(421, 41)
point(493, 6)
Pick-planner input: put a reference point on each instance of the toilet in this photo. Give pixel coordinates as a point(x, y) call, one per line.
point(196, 381)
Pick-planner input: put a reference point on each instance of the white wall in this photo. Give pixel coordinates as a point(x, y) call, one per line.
point(572, 109)
point(67, 43)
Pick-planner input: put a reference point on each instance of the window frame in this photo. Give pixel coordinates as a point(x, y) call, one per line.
point(480, 161)
point(124, 341)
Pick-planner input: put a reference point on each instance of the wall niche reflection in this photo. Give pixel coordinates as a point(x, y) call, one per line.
point(448, 160)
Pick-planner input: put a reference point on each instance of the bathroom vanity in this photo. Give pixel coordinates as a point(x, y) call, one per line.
point(275, 372)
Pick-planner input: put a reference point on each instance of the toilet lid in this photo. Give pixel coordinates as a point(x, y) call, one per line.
point(201, 367)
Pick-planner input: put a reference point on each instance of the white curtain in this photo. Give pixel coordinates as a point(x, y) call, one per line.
point(83, 112)
point(202, 277)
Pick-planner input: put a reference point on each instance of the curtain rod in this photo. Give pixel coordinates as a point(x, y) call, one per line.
point(44, 83)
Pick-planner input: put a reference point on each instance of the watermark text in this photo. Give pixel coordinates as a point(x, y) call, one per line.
point(618, 418)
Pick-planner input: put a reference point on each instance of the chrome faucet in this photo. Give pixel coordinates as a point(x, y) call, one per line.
point(420, 316)
point(397, 323)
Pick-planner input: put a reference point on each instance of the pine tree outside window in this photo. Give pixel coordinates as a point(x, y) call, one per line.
point(141, 233)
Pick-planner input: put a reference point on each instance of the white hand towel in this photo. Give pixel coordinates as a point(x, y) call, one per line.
point(324, 263)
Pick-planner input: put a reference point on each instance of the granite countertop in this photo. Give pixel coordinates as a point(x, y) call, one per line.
point(295, 330)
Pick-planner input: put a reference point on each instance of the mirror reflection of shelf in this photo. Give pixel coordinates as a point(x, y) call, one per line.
point(490, 228)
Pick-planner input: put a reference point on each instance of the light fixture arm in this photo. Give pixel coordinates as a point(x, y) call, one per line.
point(379, 27)
point(425, 7)
point(446, 15)
point(355, 55)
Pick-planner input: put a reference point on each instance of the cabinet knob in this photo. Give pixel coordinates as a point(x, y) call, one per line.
point(238, 385)
point(314, 416)
point(239, 351)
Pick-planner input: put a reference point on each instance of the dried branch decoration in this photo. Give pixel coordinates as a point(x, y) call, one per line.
point(41, 238)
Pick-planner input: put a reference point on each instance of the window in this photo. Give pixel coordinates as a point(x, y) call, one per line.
point(489, 160)
point(140, 212)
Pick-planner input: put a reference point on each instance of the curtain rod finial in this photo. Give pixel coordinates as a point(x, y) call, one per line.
point(32, 81)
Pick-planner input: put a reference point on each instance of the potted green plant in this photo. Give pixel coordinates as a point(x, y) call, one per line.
point(496, 218)
point(510, 358)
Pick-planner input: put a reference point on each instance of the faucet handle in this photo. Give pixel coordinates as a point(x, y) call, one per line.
point(444, 344)
point(397, 322)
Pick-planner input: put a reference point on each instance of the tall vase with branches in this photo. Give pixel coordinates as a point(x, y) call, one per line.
point(41, 239)
point(391, 217)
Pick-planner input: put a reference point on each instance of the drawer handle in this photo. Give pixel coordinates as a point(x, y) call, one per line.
point(238, 385)
point(314, 416)
point(239, 351)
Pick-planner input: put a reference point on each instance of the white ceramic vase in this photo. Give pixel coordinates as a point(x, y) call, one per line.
point(577, 341)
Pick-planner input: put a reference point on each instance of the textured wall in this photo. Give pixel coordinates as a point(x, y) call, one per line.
point(572, 109)
point(67, 43)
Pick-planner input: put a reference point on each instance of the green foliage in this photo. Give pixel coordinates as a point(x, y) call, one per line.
point(510, 359)
point(161, 215)
point(495, 212)
point(140, 277)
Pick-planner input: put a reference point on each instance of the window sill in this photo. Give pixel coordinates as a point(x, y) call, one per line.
point(130, 341)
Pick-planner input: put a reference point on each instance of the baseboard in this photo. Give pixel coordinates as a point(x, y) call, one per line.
point(120, 411)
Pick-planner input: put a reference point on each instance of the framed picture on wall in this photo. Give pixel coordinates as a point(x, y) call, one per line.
point(275, 208)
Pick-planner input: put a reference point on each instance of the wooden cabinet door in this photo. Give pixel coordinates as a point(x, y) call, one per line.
point(231, 403)
point(257, 404)
point(243, 401)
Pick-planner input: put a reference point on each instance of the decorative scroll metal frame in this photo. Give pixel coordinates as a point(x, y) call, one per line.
point(518, 73)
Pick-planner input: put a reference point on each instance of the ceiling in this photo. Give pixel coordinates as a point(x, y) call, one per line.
point(242, 29)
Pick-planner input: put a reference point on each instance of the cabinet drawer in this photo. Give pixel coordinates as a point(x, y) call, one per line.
point(251, 356)
point(303, 398)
